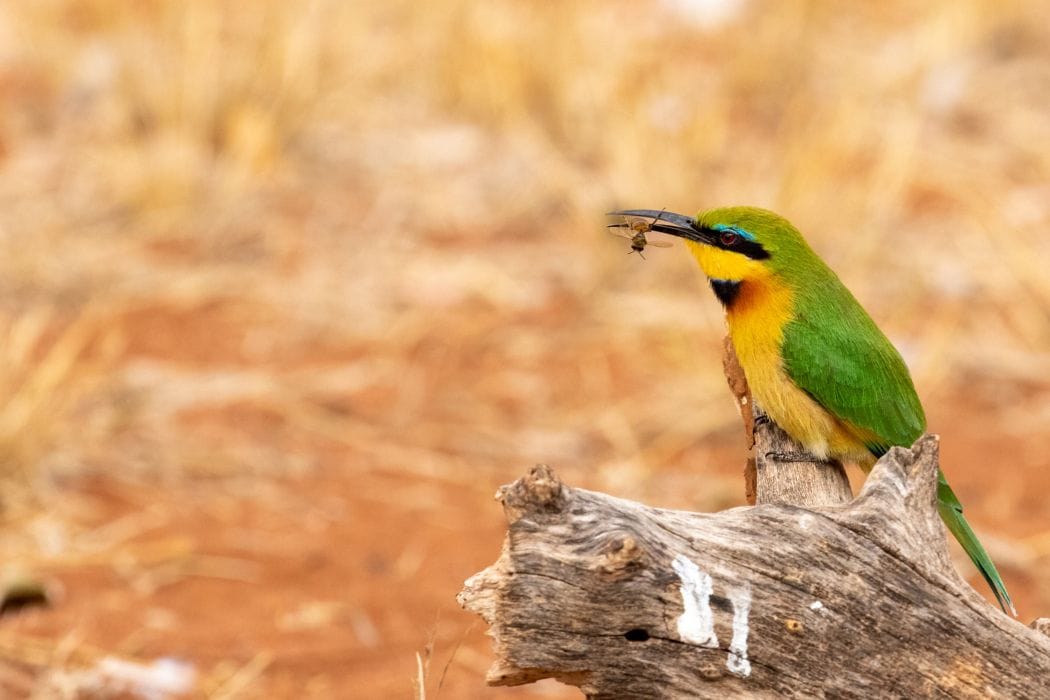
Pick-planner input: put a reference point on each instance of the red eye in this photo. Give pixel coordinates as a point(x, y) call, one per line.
point(728, 238)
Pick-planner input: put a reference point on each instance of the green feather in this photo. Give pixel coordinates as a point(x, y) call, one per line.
point(952, 515)
point(835, 352)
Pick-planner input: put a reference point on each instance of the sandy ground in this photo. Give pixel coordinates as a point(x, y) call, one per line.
point(328, 581)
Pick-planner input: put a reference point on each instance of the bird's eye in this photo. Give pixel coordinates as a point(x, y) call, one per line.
point(728, 238)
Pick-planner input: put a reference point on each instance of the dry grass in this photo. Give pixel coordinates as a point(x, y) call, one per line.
point(233, 236)
point(47, 367)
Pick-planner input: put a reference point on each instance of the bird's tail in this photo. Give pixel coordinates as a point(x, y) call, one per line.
point(952, 514)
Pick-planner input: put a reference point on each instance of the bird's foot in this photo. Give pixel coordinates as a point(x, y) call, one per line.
point(795, 457)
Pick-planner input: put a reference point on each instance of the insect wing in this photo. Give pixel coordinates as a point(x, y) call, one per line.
point(623, 233)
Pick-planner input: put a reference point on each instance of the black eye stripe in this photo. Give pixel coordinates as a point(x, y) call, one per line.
point(738, 244)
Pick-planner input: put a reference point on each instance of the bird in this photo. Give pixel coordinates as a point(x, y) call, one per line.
point(814, 359)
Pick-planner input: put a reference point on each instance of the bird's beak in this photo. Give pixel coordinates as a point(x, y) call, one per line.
point(666, 222)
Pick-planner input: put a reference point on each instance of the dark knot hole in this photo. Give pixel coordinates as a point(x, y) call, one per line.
point(636, 635)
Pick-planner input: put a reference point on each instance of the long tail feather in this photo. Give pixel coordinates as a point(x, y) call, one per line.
point(952, 514)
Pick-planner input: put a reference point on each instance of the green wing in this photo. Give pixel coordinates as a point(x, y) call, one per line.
point(834, 352)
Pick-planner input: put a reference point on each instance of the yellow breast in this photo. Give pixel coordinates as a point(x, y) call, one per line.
point(756, 324)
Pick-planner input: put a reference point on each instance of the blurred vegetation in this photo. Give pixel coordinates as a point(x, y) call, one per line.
point(232, 231)
point(363, 165)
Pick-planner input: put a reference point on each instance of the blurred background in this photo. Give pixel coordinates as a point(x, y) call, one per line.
point(290, 288)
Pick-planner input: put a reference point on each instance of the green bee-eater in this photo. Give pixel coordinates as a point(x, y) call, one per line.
point(813, 358)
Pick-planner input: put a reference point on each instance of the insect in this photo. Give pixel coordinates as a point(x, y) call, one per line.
point(635, 230)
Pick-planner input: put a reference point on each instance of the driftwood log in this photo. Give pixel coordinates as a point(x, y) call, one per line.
point(841, 598)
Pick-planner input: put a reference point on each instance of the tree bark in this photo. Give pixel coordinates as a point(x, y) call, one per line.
point(855, 600)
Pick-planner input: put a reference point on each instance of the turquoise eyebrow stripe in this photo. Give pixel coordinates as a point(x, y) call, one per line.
point(739, 231)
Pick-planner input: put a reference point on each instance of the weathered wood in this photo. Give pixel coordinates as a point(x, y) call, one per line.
point(787, 474)
point(778, 469)
point(860, 600)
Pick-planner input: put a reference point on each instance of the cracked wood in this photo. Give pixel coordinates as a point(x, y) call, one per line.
point(855, 600)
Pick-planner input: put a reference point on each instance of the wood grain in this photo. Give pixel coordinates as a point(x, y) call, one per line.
point(846, 601)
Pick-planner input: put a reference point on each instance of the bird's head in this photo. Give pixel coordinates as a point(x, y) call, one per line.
point(734, 244)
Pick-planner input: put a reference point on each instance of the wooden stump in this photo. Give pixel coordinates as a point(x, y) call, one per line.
point(857, 600)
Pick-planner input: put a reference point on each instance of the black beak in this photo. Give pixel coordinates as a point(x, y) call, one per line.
point(666, 222)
